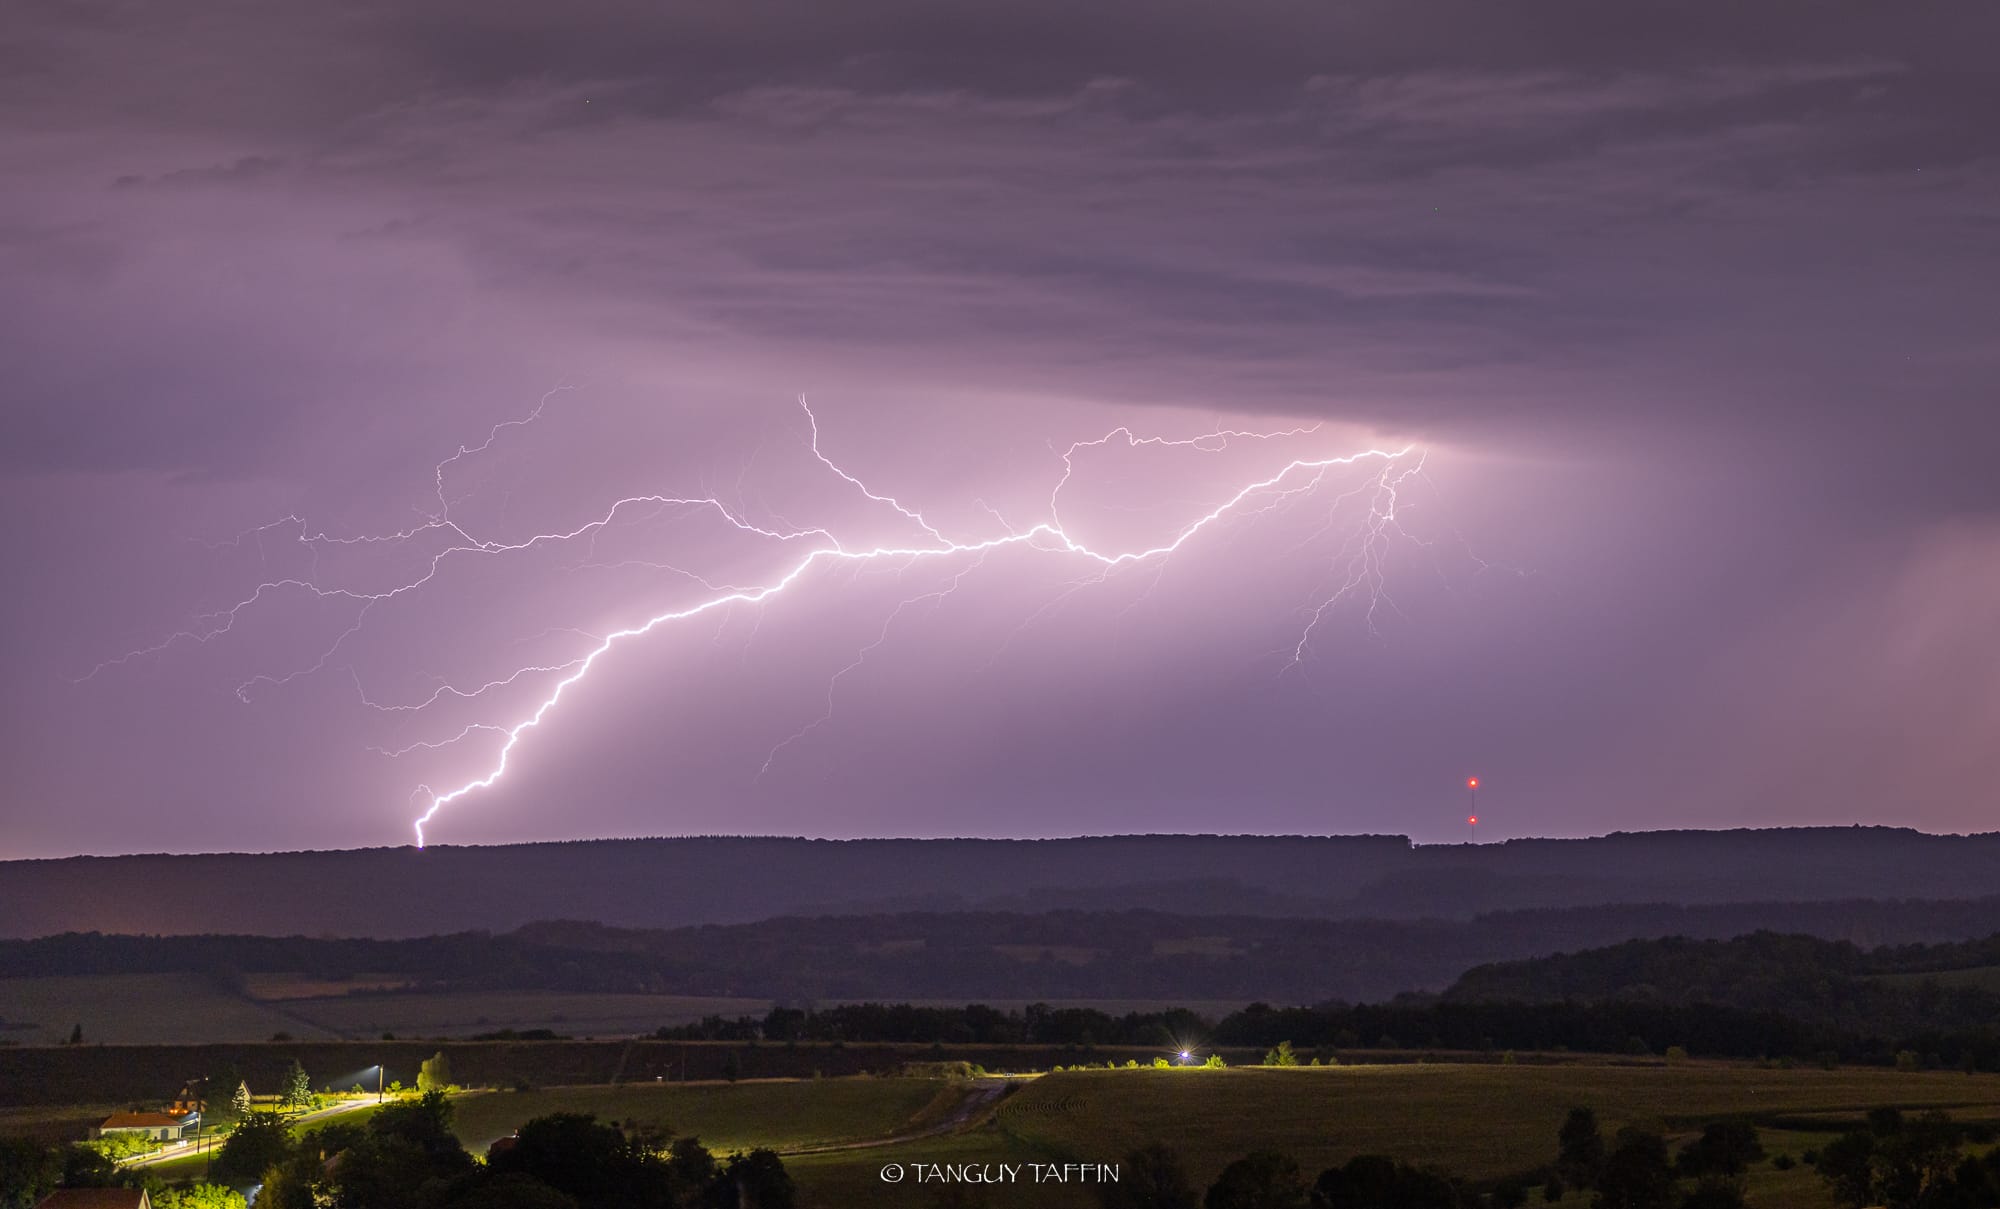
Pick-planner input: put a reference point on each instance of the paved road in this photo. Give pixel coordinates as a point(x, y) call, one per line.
point(181, 1150)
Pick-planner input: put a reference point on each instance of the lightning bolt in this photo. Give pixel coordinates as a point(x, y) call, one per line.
point(1358, 568)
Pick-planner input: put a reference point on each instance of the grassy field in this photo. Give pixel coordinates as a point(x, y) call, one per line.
point(139, 1009)
point(781, 1114)
point(1479, 1121)
point(55, 1123)
point(188, 1009)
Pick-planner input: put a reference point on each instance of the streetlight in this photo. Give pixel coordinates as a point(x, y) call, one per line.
point(380, 1071)
point(201, 1121)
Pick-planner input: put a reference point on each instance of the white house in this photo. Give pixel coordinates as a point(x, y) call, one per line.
point(159, 1126)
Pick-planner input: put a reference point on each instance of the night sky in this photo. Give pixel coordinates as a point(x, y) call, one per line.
point(1685, 313)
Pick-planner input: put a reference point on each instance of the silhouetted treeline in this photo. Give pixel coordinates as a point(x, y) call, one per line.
point(1608, 1027)
point(1016, 956)
point(1833, 984)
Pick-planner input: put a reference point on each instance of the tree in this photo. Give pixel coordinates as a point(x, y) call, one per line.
point(29, 1171)
point(435, 1073)
point(591, 1161)
point(1281, 1055)
point(239, 1100)
point(405, 1159)
point(1579, 1149)
point(198, 1196)
point(1636, 1173)
point(295, 1090)
point(1714, 1193)
point(260, 1142)
point(483, 1190)
point(292, 1184)
point(1895, 1161)
point(1151, 1177)
point(1371, 1181)
point(757, 1180)
point(90, 1165)
point(690, 1164)
point(1263, 1179)
point(1847, 1164)
point(1725, 1148)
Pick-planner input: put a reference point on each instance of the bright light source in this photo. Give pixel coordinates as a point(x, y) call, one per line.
point(1472, 782)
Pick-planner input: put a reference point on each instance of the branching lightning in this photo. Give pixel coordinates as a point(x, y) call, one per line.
point(1364, 515)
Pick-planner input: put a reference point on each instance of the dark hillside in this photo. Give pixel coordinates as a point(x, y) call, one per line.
point(391, 892)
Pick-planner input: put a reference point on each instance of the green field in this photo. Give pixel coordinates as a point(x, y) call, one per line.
point(140, 1009)
point(188, 1009)
point(781, 1113)
point(55, 1123)
point(1478, 1121)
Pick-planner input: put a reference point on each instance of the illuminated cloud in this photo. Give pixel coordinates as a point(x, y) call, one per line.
point(1691, 333)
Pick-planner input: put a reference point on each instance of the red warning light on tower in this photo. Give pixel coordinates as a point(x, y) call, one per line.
point(1472, 782)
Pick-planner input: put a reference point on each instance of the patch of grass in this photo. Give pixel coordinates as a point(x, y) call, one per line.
point(310, 986)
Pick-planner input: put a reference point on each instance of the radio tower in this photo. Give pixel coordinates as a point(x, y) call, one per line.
point(1472, 801)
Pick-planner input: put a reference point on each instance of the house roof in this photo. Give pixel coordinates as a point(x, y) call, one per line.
point(143, 1120)
point(95, 1198)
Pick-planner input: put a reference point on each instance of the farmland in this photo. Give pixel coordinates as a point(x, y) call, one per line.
point(194, 1009)
point(780, 1114)
point(1437, 1113)
point(140, 1009)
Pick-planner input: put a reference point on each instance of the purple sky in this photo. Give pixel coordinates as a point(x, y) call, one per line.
point(1690, 310)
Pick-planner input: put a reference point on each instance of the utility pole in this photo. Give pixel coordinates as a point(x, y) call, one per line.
point(381, 1072)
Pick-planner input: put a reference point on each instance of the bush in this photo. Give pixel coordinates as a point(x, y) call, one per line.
point(1151, 1177)
point(1264, 1179)
point(198, 1196)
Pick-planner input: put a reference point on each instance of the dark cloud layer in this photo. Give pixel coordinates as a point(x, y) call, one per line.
point(1693, 304)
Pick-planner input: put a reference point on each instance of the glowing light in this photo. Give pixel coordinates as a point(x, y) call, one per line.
point(1473, 819)
point(1472, 782)
point(1356, 570)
